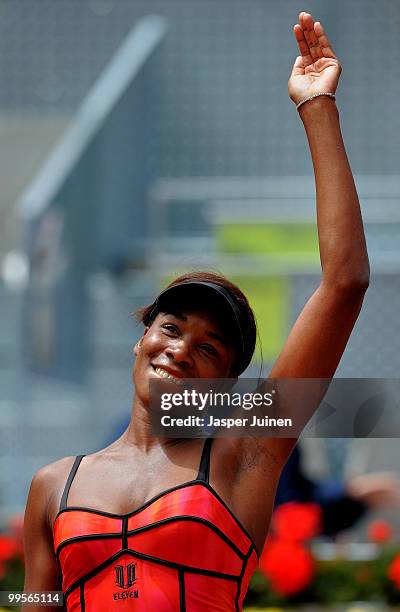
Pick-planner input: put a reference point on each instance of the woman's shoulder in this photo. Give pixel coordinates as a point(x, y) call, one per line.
point(48, 483)
point(52, 472)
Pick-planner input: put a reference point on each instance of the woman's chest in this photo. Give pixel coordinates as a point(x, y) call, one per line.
point(187, 525)
point(161, 488)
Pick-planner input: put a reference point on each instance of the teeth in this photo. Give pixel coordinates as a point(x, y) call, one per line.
point(165, 374)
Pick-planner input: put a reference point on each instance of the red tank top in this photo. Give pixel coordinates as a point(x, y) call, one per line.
point(183, 550)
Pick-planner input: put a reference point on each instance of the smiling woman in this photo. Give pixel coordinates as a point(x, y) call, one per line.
point(155, 523)
point(211, 304)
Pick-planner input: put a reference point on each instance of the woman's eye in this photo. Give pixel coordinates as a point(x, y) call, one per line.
point(169, 327)
point(209, 349)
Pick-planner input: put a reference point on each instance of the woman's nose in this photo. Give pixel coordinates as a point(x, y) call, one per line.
point(180, 351)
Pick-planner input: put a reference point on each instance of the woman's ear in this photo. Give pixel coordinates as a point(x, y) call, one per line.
point(138, 344)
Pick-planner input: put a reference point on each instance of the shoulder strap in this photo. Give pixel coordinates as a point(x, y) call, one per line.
point(204, 468)
point(63, 503)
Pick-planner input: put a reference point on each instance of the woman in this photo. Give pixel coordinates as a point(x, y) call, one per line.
point(165, 524)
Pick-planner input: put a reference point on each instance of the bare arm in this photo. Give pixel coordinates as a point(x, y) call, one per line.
point(41, 569)
point(319, 336)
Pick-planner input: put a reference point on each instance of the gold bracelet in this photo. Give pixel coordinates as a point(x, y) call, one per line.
point(322, 93)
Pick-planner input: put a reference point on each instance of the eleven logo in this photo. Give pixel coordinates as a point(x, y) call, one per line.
point(125, 577)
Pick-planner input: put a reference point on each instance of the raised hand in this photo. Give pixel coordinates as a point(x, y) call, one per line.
point(317, 69)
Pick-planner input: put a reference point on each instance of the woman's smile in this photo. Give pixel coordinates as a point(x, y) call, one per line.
point(163, 372)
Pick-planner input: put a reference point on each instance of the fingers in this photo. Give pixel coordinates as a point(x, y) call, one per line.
point(323, 40)
point(307, 24)
point(311, 39)
point(303, 46)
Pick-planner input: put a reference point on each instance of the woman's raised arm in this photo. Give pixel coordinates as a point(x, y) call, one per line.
point(318, 338)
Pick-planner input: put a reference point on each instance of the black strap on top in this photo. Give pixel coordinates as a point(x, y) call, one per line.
point(204, 468)
point(63, 503)
point(203, 474)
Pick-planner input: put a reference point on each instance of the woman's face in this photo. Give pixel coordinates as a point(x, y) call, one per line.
point(188, 344)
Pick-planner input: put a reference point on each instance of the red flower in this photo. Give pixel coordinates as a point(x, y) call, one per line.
point(297, 521)
point(379, 532)
point(8, 548)
point(288, 566)
point(394, 571)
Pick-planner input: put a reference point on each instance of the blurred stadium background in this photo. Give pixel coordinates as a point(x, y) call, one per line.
point(140, 139)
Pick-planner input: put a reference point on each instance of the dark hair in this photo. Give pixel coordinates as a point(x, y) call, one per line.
point(246, 312)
